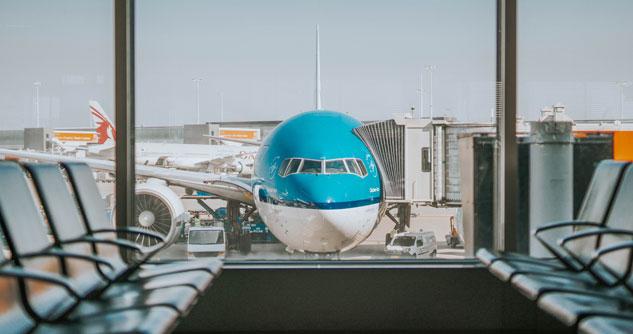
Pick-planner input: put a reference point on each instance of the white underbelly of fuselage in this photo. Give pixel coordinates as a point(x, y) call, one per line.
point(319, 230)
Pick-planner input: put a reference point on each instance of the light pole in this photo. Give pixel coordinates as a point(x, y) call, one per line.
point(622, 85)
point(197, 81)
point(430, 68)
point(36, 102)
point(421, 91)
point(221, 107)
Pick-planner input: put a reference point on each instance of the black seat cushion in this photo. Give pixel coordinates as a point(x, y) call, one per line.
point(504, 269)
point(570, 308)
point(533, 285)
point(181, 299)
point(606, 324)
point(214, 266)
point(197, 280)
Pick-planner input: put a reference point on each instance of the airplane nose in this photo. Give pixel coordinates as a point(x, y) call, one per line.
point(340, 229)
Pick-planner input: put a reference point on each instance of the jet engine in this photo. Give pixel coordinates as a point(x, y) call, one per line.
point(244, 167)
point(158, 209)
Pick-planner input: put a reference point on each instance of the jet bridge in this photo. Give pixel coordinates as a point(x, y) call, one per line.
point(402, 149)
point(418, 161)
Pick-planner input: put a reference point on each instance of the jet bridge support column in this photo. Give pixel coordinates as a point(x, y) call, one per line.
point(404, 216)
point(402, 220)
point(241, 234)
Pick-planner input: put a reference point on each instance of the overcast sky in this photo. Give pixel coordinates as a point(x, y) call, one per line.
point(260, 56)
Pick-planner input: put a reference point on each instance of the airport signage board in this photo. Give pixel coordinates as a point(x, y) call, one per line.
point(76, 136)
point(240, 133)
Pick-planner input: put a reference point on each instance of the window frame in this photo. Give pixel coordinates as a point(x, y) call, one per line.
point(362, 170)
point(504, 234)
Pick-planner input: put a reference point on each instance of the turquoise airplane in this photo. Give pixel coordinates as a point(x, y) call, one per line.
point(316, 184)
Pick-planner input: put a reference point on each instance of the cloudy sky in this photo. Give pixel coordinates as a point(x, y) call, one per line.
point(259, 55)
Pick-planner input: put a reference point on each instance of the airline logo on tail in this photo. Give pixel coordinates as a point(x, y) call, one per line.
point(104, 126)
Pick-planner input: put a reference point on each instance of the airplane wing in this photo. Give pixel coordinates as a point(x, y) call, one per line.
point(226, 187)
point(241, 141)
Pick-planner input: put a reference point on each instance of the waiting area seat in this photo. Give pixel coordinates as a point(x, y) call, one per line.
point(64, 271)
point(587, 283)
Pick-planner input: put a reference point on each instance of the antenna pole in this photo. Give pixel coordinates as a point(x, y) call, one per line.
point(318, 71)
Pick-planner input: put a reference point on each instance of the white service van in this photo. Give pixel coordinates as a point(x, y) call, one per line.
point(415, 244)
point(205, 241)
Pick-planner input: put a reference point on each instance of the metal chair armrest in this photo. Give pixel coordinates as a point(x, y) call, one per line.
point(116, 242)
point(40, 276)
point(600, 252)
point(556, 225)
point(132, 230)
point(64, 254)
point(593, 232)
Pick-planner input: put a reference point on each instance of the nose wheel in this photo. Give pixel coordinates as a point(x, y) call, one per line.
point(236, 225)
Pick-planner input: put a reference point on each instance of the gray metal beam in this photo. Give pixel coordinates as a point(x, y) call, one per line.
point(506, 194)
point(124, 110)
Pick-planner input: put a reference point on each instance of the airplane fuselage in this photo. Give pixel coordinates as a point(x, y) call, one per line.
point(316, 184)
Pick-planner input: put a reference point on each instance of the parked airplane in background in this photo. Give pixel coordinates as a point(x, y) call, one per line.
point(194, 157)
point(316, 184)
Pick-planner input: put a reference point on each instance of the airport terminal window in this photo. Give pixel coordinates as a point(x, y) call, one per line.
point(218, 89)
point(335, 167)
point(426, 160)
point(575, 105)
point(213, 92)
point(311, 166)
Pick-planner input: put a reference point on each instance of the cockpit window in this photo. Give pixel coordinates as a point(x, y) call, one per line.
point(352, 166)
point(293, 167)
point(283, 167)
point(363, 170)
point(335, 167)
point(311, 167)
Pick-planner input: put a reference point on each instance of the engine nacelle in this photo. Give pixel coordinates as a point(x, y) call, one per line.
point(243, 167)
point(158, 209)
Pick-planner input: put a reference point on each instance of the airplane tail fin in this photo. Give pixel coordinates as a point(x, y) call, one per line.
point(102, 123)
point(317, 93)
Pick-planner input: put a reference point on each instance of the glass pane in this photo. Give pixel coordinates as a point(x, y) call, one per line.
point(361, 166)
point(576, 109)
point(56, 101)
point(311, 166)
point(426, 161)
point(335, 167)
point(352, 166)
point(283, 167)
point(294, 166)
point(204, 97)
